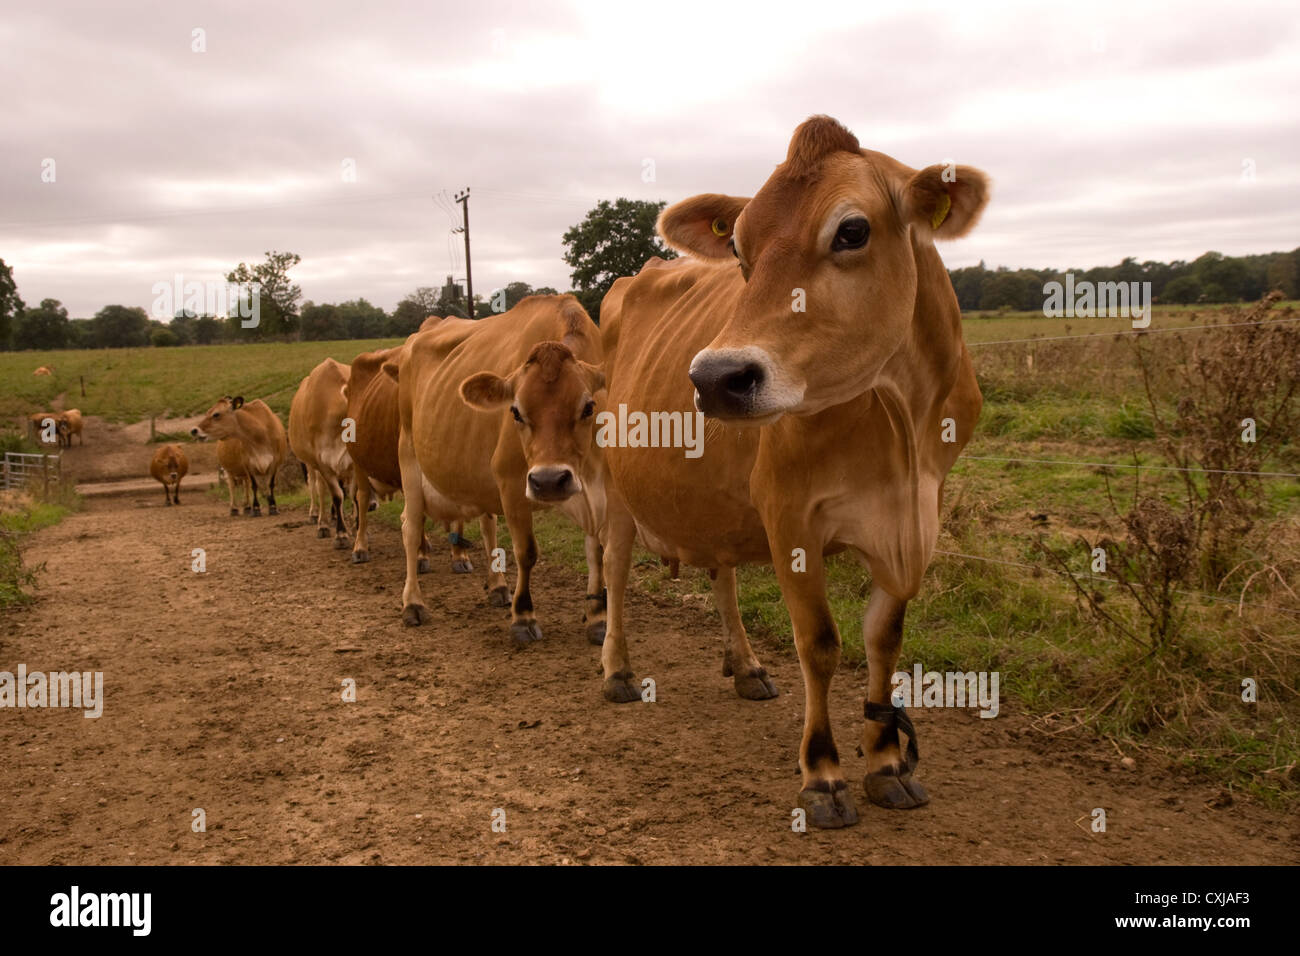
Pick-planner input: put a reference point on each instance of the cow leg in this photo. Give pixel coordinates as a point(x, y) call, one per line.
point(460, 562)
point(318, 494)
point(341, 541)
point(360, 552)
point(176, 492)
point(313, 495)
point(167, 494)
point(230, 486)
point(496, 587)
point(523, 622)
point(889, 780)
point(425, 564)
point(414, 611)
point(271, 509)
point(257, 506)
point(620, 683)
point(595, 604)
point(739, 661)
point(825, 797)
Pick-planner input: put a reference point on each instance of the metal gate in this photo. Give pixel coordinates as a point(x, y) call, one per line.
point(31, 471)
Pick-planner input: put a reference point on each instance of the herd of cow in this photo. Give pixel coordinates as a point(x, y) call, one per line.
point(813, 325)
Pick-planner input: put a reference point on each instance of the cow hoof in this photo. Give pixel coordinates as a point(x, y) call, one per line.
point(413, 615)
point(755, 685)
point(885, 788)
point(462, 566)
point(247, 510)
point(322, 532)
point(499, 597)
point(257, 512)
point(525, 632)
point(596, 633)
point(829, 810)
point(169, 502)
point(423, 567)
point(342, 544)
point(273, 510)
point(621, 688)
point(373, 505)
point(360, 557)
point(234, 511)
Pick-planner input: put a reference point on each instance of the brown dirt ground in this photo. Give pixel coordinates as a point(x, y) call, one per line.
point(223, 691)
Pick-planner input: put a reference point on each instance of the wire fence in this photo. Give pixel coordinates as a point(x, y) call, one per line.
point(1116, 332)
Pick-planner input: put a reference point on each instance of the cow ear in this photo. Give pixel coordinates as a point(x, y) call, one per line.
point(486, 391)
point(594, 376)
point(702, 225)
point(237, 402)
point(390, 369)
point(946, 199)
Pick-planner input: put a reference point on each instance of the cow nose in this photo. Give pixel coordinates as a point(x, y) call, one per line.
point(725, 387)
point(194, 432)
point(550, 484)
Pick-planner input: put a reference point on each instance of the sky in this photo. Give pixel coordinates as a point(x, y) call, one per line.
point(1109, 129)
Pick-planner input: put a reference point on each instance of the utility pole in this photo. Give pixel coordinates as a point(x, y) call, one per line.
point(462, 197)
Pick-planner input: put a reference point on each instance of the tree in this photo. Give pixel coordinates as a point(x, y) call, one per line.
point(207, 329)
point(119, 326)
point(1182, 291)
point(278, 302)
point(615, 239)
point(11, 305)
point(361, 320)
point(163, 337)
point(322, 322)
point(45, 327)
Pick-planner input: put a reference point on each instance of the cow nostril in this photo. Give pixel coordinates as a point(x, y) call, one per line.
point(745, 381)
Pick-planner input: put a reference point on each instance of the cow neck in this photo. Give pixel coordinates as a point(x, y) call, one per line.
point(247, 429)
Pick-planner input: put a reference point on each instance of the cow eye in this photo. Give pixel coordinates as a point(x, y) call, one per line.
point(588, 408)
point(852, 234)
point(515, 412)
point(216, 415)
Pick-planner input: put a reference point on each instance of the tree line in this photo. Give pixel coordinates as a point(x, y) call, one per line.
point(614, 239)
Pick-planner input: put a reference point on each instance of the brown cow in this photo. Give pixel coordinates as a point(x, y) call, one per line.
point(318, 438)
point(44, 370)
point(69, 424)
point(43, 425)
point(262, 443)
point(169, 466)
point(233, 461)
point(372, 406)
point(497, 419)
point(820, 311)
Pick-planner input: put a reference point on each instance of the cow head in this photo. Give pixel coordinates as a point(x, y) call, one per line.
point(220, 420)
point(552, 404)
point(63, 428)
point(173, 462)
point(828, 250)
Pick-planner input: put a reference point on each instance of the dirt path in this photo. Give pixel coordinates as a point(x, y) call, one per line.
point(223, 692)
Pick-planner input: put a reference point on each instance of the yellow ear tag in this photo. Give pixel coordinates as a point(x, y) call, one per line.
point(720, 227)
point(940, 212)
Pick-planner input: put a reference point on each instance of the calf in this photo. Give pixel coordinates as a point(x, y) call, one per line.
point(262, 443)
point(169, 466)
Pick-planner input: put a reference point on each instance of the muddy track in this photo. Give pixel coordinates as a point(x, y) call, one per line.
point(223, 692)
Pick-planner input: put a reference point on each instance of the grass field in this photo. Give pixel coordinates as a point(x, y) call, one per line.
point(992, 603)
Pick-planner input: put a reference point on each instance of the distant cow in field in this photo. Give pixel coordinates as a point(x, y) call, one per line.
point(260, 449)
point(44, 370)
point(169, 466)
point(316, 435)
point(43, 428)
point(496, 418)
point(70, 424)
point(822, 338)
